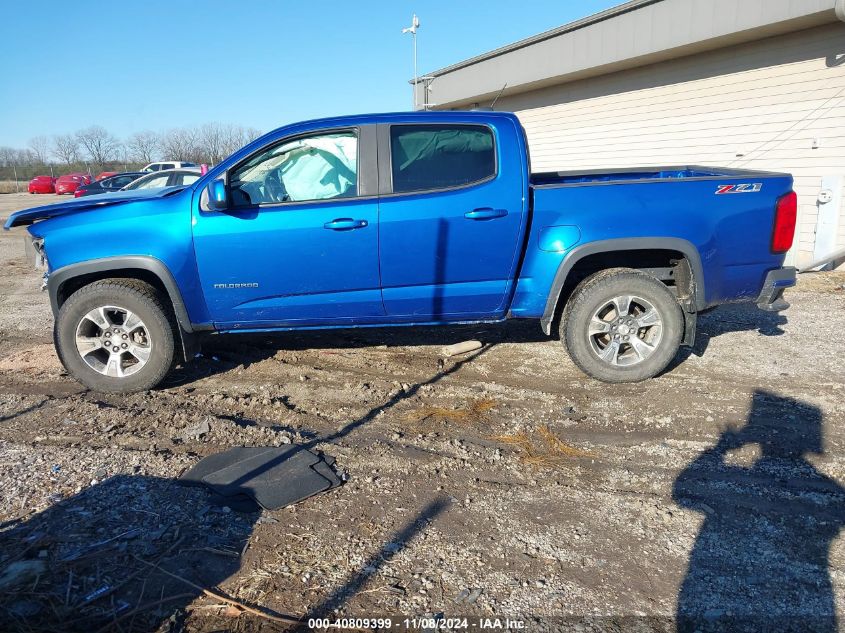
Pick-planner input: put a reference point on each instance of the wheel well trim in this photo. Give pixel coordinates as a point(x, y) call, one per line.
point(685, 247)
point(155, 266)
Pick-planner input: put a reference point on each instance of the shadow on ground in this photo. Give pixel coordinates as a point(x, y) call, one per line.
point(740, 317)
point(130, 554)
point(99, 560)
point(761, 558)
point(225, 352)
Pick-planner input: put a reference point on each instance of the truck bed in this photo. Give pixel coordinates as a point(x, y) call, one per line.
point(727, 236)
point(641, 174)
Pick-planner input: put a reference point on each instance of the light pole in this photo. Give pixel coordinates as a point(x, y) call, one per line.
point(415, 24)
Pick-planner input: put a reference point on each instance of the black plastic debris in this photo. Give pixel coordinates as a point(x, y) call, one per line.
point(272, 477)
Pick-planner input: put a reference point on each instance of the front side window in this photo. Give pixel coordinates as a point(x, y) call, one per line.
point(319, 167)
point(426, 157)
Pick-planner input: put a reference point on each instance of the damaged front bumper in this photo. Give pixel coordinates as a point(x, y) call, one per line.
point(778, 280)
point(34, 250)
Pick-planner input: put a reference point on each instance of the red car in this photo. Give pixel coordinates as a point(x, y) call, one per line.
point(69, 182)
point(106, 174)
point(42, 184)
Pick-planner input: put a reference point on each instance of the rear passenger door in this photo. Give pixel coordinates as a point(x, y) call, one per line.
point(450, 217)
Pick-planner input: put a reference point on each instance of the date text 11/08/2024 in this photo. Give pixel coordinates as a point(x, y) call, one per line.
point(422, 624)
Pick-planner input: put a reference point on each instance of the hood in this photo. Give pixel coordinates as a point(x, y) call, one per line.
point(84, 204)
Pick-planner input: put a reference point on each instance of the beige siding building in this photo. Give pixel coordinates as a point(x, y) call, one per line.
point(756, 84)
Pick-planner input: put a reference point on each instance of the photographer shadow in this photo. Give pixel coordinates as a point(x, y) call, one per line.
point(761, 558)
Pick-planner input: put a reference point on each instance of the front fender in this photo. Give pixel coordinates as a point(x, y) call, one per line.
point(129, 266)
point(120, 266)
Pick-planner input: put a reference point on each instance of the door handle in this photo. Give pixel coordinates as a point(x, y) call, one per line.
point(485, 214)
point(345, 224)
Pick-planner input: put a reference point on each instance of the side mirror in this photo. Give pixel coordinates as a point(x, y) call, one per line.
point(217, 200)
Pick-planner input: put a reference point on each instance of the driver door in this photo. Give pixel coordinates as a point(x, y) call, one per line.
point(299, 244)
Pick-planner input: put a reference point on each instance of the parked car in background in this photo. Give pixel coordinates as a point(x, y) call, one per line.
point(169, 164)
point(69, 183)
point(105, 174)
point(42, 184)
point(168, 178)
point(109, 185)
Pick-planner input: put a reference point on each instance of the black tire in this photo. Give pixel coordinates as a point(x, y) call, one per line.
point(142, 300)
point(598, 291)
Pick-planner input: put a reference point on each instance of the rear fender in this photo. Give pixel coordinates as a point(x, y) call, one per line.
point(684, 247)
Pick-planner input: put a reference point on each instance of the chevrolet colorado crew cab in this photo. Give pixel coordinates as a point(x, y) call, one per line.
point(406, 219)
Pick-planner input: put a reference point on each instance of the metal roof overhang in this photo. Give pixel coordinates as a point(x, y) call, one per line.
point(633, 34)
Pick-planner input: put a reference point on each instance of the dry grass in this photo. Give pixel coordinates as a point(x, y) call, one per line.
point(8, 186)
point(473, 413)
point(545, 449)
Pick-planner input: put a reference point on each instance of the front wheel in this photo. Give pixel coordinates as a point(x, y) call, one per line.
point(116, 335)
point(622, 325)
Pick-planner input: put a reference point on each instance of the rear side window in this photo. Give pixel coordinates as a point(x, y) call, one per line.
point(425, 157)
point(153, 183)
point(183, 179)
point(118, 181)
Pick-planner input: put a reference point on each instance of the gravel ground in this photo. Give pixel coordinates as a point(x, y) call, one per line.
point(503, 484)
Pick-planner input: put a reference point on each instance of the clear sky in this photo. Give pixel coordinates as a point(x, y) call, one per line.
point(158, 64)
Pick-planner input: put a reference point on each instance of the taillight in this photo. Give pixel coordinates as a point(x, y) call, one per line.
point(786, 214)
point(78, 193)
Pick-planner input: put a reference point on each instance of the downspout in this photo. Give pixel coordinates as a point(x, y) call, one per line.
point(840, 254)
point(839, 7)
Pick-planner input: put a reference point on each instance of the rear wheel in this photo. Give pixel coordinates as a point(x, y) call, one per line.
point(116, 335)
point(622, 325)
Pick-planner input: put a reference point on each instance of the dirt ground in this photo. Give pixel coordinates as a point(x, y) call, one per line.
point(502, 484)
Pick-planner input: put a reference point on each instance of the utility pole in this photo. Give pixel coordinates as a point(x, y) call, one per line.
point(415, 24)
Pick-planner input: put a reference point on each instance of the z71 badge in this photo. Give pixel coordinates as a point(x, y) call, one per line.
point(748, 187)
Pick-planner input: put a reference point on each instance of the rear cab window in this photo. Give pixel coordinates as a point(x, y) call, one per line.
point(433, 157)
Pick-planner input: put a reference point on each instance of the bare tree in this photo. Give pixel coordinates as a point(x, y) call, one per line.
point(235, 137)
point(25, 157)
point(143, 146)
point(211, 142)
point(66, 148)
point(99, 144)
point(180, 144)
point(40, 146)
point(8, 156)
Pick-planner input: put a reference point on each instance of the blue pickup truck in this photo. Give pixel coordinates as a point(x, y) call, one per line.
point(407, 219)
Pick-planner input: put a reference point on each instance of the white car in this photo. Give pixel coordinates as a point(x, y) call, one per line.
point(169, 178)
point(170, 164)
